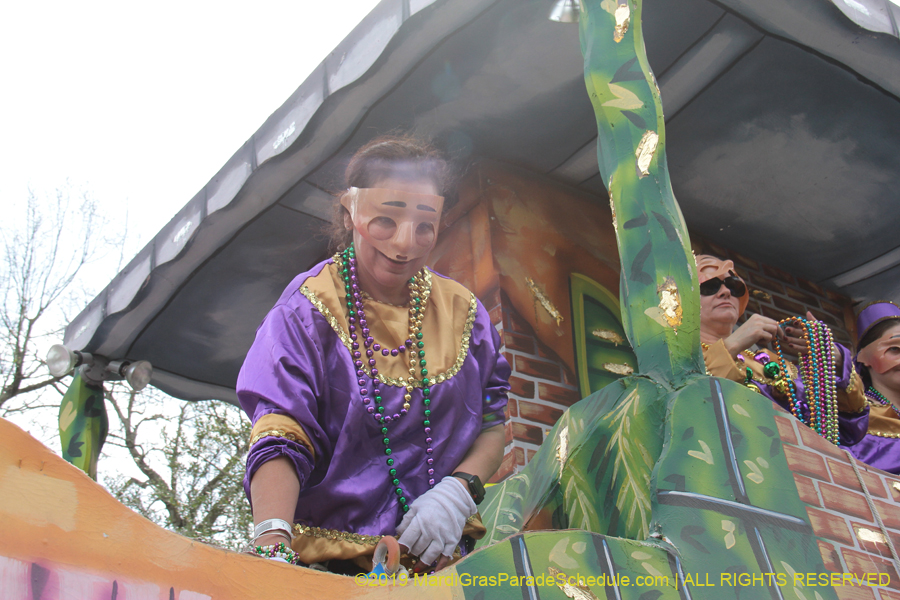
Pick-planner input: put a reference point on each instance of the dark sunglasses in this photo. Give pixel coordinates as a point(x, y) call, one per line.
point(711, 287)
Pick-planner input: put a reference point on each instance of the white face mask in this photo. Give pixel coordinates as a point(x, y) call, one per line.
point(400, 225)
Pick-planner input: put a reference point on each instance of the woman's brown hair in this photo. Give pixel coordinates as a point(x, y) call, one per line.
point(389, 156)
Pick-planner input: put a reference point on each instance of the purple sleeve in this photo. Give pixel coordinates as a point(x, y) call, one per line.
point(494, 368)
point(269, 448)
point(852, 427)
point(282, 374)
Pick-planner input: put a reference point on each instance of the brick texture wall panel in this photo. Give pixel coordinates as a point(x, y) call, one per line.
point(743, 261)
point(801, 296)
point(520, 455)
point(763, 282)
point(895, 491)
point(890, 514)
point(830, 526)
point(522, 388)
point(558, 394)
point(811, 287)
point(830, 556)
point(794, 308)
point(843, 501)
point(496, 315)
point(850, 592)
point(540, 413)
point(787, 425)
point(776, 273)
point(860, 563)
point(538, 368)
point(527, 433)
point(842, 474)
point(518, 342)
point(862, 533)
point(511, 408)
point(806, 463)
point(807, 490)
point(812, 441)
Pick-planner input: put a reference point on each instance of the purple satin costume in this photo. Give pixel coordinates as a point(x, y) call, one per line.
point(879, 452)
point(851, 426)
point(299, 367)
point(874, 450)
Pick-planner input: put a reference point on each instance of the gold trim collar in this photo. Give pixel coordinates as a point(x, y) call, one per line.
point(417, 383)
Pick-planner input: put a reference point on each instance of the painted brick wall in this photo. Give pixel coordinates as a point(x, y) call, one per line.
point(541, 388)
point(838, 510)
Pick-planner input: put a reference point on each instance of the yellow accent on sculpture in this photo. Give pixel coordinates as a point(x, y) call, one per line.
point(645, 151)
point(618, 369)
point(623, 19)
point(543, 300)
point(608, 335)
point(579, 591)
point(562, 450)
point(670, 302)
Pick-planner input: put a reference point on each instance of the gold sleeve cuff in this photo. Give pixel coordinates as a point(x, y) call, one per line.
point(852, 399)
point(283, 426)
point(719, 363)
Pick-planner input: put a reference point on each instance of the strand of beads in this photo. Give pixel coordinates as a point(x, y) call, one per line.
point(420, 290)
point(818, 406)
point(878, 397)
point(280, 550)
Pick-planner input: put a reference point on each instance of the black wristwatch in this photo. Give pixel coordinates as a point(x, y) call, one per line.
point(475, 486)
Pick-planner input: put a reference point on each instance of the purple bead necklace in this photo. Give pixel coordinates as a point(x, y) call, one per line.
point(419, 291)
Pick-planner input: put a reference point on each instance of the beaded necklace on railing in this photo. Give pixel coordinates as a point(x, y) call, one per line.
point(818, 407)
point(880, 399)
point(419, 291)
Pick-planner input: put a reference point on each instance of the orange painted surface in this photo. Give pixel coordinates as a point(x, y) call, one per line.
point(63, 533)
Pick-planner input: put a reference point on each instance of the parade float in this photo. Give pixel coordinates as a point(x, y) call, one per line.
point(776, 125)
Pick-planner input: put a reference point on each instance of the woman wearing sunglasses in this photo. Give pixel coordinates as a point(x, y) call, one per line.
point(729, 353)
point(878, 361)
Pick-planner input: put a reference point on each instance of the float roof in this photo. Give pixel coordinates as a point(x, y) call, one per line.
point(783, 133)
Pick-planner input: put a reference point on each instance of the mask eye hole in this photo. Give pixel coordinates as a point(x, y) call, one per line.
point(425, 234)
point(382, 228)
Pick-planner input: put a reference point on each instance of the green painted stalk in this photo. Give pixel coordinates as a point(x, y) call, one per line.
point(654, 247)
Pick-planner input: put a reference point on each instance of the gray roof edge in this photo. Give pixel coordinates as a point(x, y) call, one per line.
point(188, 389)
point(112, 321)
point(821, 26)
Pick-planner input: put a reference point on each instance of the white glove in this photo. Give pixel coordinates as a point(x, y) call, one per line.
point(434, 524)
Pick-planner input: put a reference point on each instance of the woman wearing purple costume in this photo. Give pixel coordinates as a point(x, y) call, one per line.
point(723, 298)
point(376, 386)
point(878, 361)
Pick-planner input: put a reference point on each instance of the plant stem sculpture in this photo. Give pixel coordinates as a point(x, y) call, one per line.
point(682, 475)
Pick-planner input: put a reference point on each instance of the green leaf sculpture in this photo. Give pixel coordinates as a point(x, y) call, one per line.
point(669, 472)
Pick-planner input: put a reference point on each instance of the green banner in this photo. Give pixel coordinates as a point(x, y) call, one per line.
point(83, 424)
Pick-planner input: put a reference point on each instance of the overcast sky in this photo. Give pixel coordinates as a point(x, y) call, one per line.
point(141, 103)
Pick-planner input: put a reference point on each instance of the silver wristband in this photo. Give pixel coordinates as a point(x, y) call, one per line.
point(271, 526)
